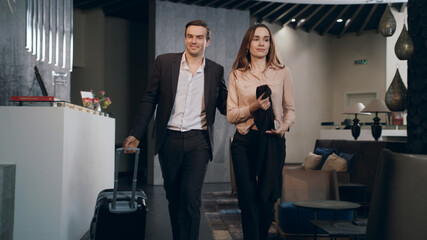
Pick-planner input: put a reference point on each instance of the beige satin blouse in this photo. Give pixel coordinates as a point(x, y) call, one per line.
point(242, 92)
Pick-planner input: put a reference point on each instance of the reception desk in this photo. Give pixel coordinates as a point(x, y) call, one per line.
point(63, 158)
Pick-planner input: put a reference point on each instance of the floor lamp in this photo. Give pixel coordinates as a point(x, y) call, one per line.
point(355, 109)
point(376, 106)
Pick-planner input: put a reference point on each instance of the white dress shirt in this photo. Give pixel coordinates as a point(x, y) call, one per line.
point(188, 112)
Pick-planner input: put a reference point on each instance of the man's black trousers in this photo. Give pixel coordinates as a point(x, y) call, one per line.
point(184, 157)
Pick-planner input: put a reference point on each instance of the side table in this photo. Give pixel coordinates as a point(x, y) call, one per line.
point(315, 205)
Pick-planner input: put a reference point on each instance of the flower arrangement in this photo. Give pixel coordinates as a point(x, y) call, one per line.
point(101, 100)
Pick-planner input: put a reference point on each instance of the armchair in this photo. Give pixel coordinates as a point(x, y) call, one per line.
point(299, 185)
point(398, 208)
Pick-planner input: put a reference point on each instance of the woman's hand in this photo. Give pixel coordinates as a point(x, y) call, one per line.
point(280, 132)
point(260, 104)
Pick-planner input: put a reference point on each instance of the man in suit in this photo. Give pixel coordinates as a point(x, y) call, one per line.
point(186, 88)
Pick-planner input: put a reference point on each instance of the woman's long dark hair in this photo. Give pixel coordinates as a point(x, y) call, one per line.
point(244, 57)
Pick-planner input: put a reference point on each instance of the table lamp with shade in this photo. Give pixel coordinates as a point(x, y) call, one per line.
point(355, 109)
point(376, 106)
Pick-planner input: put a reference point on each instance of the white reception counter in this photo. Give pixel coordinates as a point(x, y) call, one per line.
point(63, 158)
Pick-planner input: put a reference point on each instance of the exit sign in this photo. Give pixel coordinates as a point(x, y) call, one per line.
point(361, 61)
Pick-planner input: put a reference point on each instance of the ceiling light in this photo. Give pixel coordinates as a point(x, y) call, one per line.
point(339, 20)
point(293, 20)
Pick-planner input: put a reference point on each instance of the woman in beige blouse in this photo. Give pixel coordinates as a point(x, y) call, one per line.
point(258, 147)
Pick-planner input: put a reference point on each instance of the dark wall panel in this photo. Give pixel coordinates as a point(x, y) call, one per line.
point(417, 77)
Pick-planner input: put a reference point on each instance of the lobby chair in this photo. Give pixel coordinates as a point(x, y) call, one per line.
point(398, 206)
point(300, 185)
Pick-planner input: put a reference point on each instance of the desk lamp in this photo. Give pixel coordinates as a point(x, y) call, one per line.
point(355, 109)
point(376, 106)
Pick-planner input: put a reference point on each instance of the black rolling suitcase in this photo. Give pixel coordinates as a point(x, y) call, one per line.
point(120, 214)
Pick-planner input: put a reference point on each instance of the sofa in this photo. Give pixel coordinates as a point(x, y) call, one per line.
point(366, 157)
point(361, 171)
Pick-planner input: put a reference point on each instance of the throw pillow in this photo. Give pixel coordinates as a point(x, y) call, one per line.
point(325, 152)
point(349, 157)
point(312, 161)
point(334, 162)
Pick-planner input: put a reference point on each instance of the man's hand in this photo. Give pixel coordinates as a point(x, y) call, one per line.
point(130, 142)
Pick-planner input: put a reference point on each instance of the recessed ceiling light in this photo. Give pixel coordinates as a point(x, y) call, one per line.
point(339, 20)
point(293, 20)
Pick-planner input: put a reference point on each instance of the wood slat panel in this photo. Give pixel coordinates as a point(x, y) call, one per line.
point(367, 19)
point(355, 14)
point(323, 18)
point(335, 19)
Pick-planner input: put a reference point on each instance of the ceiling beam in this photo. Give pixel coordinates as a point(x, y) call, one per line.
point(262, 9)
point(240, 4)
point(335, 20)
point(108, 3)
point(226, 3)
point(274, 10)
point(402, 8)
point(120, 7)
point(307, 19)
point(197, 2)
point(367, 19)
point(212, 3)
point(323, 18)
point(81, 4)
point(336, 2)
point(351, 20)
point(253, 5)
point(297, 15)
point(285, 13)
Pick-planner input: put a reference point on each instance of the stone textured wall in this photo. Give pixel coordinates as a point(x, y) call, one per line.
point(228, 28)
point(417, 77)
point(7, 200)
point(17, 64)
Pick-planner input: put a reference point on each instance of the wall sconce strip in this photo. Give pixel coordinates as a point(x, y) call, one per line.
point(43, 36)
point(71, 34)
point(64, 39)
point(50, 33)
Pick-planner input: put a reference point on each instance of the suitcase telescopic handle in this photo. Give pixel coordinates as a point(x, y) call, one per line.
point(132, 202)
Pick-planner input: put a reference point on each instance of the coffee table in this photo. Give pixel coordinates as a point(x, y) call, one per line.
point(342, 228)
point(315, 205)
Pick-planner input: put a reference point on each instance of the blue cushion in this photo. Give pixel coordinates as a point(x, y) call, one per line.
point(325, 152)
point(287, 214)
point(349, 157)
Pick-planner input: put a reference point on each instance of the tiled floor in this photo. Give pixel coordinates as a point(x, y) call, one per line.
point(158, 225)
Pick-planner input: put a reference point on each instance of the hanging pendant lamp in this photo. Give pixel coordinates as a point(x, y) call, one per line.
point(404, 46)
point(387, 25)
point(395, 97)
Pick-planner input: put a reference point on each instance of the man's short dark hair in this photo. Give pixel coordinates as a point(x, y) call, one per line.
point(199, 23)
